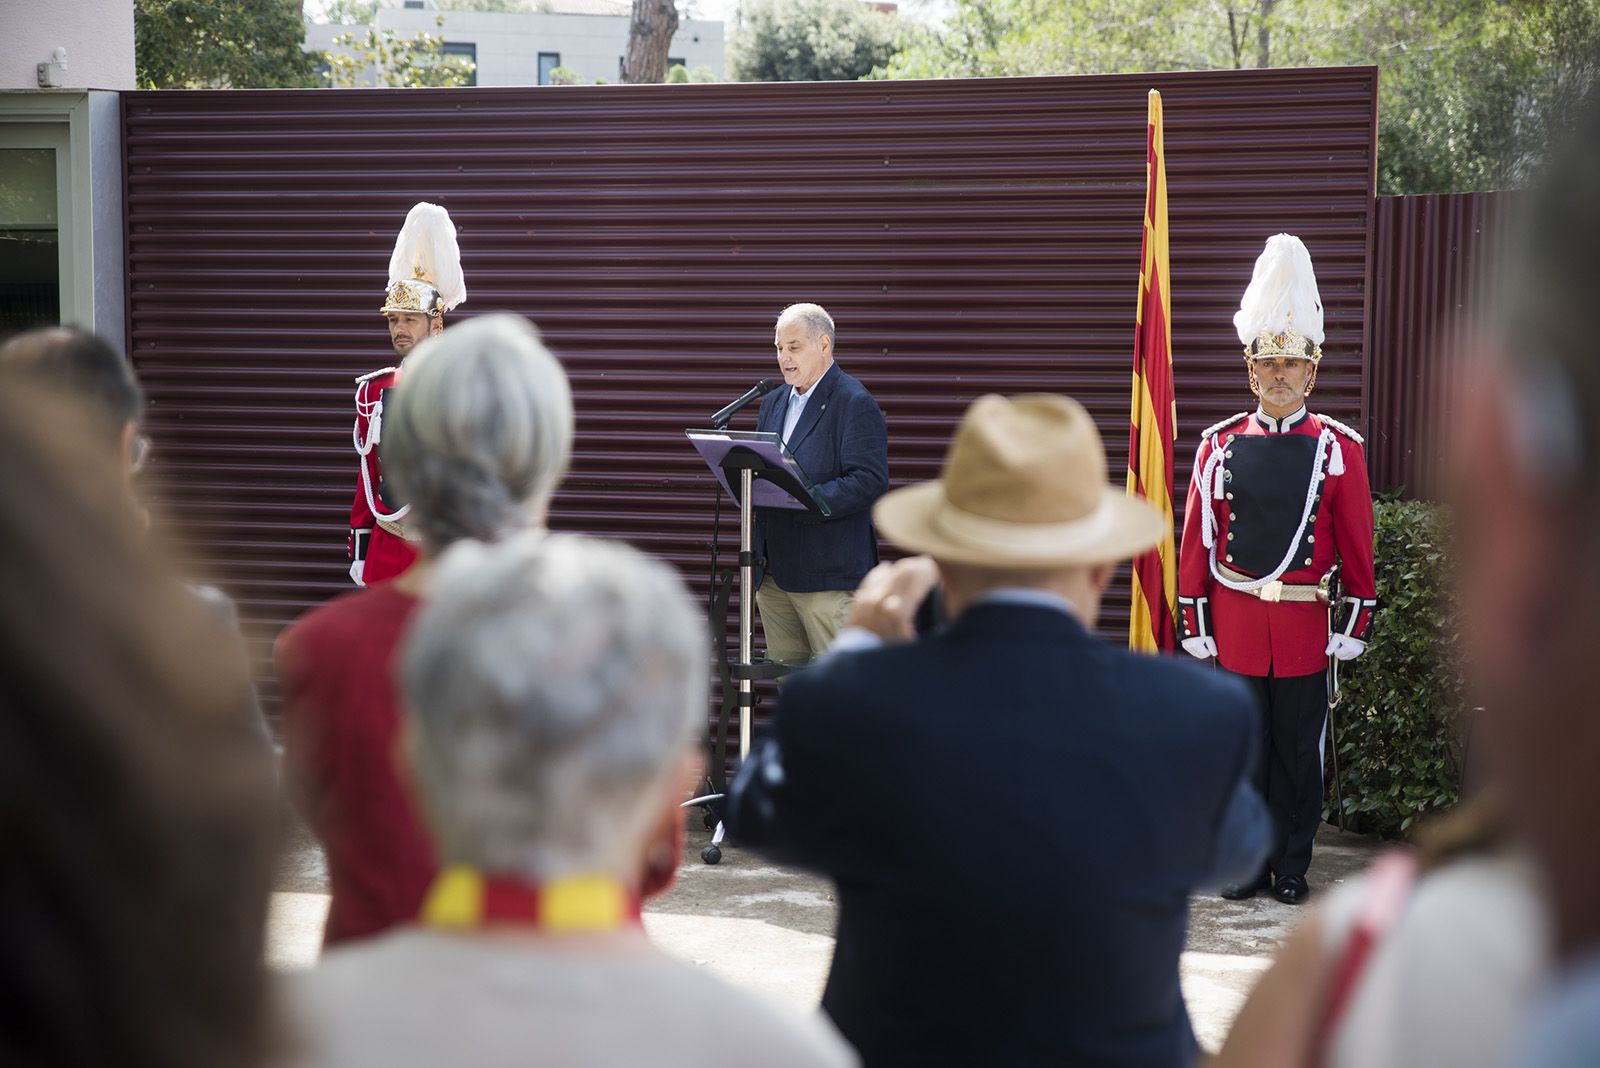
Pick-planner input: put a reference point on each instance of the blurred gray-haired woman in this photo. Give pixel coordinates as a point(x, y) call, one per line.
point(553, 687)
point(478, 434)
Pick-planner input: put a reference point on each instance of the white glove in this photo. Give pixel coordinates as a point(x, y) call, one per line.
point(356, 570)
point(1202, 647)
point(1345, 647)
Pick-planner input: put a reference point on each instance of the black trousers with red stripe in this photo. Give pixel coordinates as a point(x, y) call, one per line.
point(1294, 713)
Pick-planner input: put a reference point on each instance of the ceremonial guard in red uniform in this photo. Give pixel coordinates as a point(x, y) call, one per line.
point(1279, 516)
point(425, 281)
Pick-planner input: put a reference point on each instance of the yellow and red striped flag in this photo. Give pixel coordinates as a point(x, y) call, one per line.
point(1155, 409)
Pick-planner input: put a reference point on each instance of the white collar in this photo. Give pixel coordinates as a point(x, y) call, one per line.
point(1280, 426)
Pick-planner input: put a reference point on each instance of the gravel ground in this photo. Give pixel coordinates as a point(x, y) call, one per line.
point(770, 929)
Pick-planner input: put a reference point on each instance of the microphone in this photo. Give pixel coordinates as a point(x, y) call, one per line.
point(760, 389)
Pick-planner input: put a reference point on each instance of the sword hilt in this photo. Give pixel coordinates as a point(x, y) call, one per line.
point(1330, 582)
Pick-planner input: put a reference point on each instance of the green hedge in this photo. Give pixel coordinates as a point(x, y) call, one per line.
point(1399, 719)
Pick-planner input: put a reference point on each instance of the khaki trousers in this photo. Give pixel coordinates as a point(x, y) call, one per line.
point(800, 626)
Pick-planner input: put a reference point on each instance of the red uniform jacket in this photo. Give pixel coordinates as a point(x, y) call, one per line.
point(341, 723)
point(1272, 482)
point(385, 553)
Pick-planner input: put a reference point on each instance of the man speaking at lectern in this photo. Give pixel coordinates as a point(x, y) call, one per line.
point(836, 431)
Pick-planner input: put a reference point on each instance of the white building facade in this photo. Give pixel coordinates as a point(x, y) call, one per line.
point(589, 37)
point(62, 63)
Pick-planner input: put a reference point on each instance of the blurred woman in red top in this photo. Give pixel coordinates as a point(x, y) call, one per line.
point(476, 438)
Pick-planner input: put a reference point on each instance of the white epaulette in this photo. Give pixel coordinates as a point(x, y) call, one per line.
point(1341, 428)
point(1218, 428)
point(376, 374)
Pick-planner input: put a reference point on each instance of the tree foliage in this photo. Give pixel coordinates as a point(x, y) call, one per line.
point(812, 41)
point(385, 58)
point(491, 5)
point(1469, 94)
point(240, 44)
point(349, 12)
point(1400, 720)
point(1475, 101)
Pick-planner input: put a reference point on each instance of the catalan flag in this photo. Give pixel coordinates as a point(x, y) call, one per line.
point(1154, 410)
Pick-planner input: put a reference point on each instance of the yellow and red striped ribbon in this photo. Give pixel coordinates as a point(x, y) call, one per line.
point(464, 897)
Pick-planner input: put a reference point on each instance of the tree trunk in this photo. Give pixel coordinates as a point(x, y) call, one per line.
point(649, 38)
point(1264, 33)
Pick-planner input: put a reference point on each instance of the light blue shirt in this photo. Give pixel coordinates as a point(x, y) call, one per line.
point(797, 405)
point(1026, 597)
point(857, 639)
point(1564, 1031)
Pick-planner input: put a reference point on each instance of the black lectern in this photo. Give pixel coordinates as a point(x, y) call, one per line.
point(758, 472)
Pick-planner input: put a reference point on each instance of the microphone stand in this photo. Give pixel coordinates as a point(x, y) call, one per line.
point(745, 670)
point(718, 593)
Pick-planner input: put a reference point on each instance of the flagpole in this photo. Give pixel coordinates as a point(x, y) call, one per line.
point(1152, 622)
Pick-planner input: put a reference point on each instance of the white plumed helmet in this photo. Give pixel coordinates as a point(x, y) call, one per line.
point(1280, 313)
point(425, 269)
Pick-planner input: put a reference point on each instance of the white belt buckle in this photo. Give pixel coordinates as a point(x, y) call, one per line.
point(1272, 592)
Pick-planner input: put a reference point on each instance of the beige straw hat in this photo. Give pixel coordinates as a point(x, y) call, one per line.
point(1024, 486)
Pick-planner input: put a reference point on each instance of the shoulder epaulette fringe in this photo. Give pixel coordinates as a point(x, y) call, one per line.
point(376, 374)
point(1346, 431)
point(1218, 428)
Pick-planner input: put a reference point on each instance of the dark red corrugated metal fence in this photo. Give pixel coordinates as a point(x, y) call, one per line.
point(1436, 262)
point(969, 236)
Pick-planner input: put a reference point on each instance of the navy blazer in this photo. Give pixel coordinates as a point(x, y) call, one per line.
point(1015, 814)
point(842, 444)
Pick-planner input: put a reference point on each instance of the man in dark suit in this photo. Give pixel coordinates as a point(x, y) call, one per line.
point(1015, 812)
point(836, 431)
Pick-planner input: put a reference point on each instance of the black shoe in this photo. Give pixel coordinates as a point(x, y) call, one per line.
point(1290, 889)
point(1246, 891)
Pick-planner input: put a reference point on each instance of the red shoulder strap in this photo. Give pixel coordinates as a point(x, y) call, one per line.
point(1389, 884)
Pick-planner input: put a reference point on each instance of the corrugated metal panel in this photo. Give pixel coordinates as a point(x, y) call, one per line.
point(1436, 264)
point(969, 236)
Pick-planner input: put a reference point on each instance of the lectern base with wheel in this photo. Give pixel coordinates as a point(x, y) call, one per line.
point(757, 471)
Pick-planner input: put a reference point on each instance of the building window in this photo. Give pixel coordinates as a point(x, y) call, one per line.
point(413, 5)
point(622, 64)
point(467, 51)
point(548, 62)
point(30, 237)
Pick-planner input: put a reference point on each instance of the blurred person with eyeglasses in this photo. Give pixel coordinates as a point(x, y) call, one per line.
point(90, 374)
point(136, 818)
